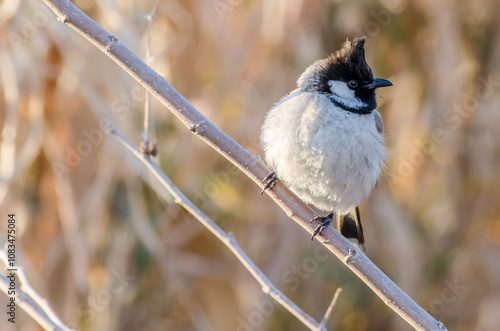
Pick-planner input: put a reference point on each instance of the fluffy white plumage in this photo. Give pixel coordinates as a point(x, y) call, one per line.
point(329, 157)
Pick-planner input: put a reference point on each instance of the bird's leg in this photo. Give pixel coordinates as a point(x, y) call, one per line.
point(325, 221)
point(269, 181)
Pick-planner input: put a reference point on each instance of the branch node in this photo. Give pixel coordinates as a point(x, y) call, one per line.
point(64, 19)
point(441, 326)
point(351, 255)
point(197, 128)
point(149, 149)
point(266, 289)
point(112, 41)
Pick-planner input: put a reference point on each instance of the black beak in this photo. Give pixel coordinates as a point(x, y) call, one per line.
point(377, 82)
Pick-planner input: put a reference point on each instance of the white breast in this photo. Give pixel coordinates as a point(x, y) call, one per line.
point(328, 157)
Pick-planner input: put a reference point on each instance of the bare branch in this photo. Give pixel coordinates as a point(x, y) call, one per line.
point(228, 239)
point(329, 311)
point(29, 300)
point(255, 169)
point(148, 119)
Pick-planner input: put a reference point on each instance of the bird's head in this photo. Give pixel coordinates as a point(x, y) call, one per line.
point(345, 77)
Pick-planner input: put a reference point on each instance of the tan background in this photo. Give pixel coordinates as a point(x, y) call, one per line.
point(110, 254)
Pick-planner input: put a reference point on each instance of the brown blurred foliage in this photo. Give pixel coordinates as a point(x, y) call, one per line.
point(110, 254)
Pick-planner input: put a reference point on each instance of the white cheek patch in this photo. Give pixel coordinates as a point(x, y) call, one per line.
point(341, 89)
point(344, 95)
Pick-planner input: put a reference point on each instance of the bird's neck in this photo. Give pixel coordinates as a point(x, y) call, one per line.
point(361, 108)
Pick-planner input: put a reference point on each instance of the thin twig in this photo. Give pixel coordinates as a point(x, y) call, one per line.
point(148, 119)
point(29, 300)
point(252, 166)
point(329, 311)
point(228, 239)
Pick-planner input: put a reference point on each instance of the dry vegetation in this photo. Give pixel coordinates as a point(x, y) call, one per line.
point(109, 254)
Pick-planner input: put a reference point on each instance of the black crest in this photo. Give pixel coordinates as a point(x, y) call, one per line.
point(346, 64)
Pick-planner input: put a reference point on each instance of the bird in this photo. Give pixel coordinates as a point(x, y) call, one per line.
point(325, 139)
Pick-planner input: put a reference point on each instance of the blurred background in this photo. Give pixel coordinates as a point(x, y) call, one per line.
point(110, 253)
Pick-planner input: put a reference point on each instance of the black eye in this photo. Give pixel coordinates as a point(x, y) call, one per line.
point(353, 83)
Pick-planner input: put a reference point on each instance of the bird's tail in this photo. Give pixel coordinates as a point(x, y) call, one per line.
point(349, 226)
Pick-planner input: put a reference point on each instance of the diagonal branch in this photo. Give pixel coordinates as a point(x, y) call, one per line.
point(255, 169)
point(227, 239)
point(28, 299)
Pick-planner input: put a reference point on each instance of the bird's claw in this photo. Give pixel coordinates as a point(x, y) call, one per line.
point(325, 221)
point(269, 181)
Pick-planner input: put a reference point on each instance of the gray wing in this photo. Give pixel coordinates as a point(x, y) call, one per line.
point(378, 122)
point(379, 125)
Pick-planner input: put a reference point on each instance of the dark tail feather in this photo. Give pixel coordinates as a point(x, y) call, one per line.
point(351, 228)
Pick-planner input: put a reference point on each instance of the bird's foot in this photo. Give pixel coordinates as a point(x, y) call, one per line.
point(269, 182)
point(325, 221)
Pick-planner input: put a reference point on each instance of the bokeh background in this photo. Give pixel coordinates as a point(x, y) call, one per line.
point(111, 253)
